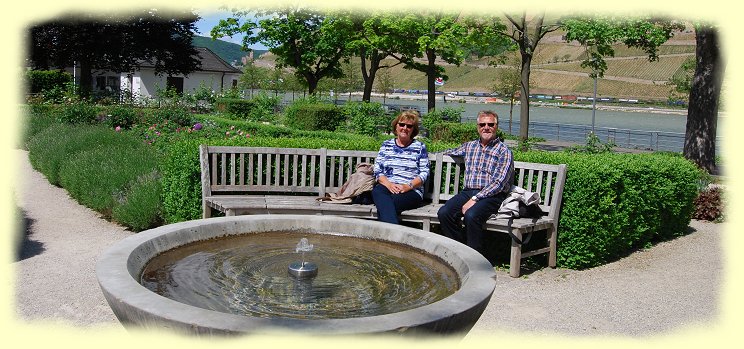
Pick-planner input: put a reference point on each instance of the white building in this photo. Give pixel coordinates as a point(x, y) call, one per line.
point(214, 73)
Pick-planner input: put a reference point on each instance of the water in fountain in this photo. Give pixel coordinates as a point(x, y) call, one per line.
point(247, 275)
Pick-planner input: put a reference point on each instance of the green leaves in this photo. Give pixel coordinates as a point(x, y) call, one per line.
point(598, 33)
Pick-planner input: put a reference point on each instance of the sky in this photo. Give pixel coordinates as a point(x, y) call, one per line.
point(209, 19)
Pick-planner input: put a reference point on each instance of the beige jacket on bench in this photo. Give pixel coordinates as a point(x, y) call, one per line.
point(360, 181)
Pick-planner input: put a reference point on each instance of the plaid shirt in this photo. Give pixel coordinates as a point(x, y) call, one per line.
point(489, 168)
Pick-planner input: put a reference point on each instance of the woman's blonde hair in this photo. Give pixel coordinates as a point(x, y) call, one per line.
point(409, 115)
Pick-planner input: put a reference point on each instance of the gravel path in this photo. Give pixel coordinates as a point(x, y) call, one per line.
point(656, 291)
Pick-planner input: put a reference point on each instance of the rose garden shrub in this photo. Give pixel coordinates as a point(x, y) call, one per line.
point(173, 113)
point(124, 116)
point(616, 203)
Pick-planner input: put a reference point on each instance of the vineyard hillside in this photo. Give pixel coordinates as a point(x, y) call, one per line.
point(556, 70)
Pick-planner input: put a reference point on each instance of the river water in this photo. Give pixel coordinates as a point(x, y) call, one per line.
point(644, 127)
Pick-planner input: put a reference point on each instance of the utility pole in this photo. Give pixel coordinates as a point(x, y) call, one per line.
point(594, 102)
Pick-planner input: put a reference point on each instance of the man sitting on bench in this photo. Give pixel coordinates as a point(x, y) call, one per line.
point(489, 169)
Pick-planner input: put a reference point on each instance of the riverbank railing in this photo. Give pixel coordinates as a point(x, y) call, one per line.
point(622, 138)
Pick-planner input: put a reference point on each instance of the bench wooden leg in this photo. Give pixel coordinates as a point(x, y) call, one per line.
point(426, 224)
point(229, 212)
point(206, 211)
point(515, 261)
point(553, 243)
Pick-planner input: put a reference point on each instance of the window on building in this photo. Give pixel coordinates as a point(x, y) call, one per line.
point(107, 83)
point(175, 83)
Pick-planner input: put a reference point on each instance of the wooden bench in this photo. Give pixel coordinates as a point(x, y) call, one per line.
point(255, 180)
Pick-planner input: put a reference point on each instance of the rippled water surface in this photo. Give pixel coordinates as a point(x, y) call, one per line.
point(247, 275)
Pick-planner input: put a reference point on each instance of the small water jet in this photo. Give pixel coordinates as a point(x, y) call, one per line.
point(302, 269)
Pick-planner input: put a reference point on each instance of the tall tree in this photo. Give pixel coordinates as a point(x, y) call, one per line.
point(526, 33)
point(311, 42)
point(116, 43)
point(253, 76)
point(421, 40)
point(385, 84)
point(702, 112)
point(508, 83)
point(366, 45)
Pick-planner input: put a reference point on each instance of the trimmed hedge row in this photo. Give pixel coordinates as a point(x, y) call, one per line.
point(46, 80)
point(616, 203)
point(311, 115)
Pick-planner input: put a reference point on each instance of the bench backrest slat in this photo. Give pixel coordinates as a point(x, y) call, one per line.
point(260, 169)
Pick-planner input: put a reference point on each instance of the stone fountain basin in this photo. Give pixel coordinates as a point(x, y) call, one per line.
point(119, 268)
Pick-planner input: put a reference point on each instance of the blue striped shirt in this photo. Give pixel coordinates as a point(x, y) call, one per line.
point(402, 164)
point(489, 168)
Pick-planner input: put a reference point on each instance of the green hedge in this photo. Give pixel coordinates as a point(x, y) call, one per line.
point(313, 116)
point(614, 203)
point(366, 118)
point(453, 132)
point(234, 106)
point(46, 80)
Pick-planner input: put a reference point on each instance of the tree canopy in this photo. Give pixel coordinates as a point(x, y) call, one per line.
point(115, 43)
point(310, 41)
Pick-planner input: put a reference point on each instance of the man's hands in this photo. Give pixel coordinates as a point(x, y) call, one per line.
point(467, 205)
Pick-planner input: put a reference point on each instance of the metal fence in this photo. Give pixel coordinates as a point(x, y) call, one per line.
point(623, 138)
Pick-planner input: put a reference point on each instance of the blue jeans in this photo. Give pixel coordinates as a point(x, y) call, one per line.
point(390, 205)
point(451, 213)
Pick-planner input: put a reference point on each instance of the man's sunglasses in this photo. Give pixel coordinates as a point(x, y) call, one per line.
point(483, 124)
point(402, 124)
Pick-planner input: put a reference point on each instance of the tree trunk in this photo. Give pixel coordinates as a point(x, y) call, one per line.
point(312, 84)
point(511, 112)
point(430, 86)
point(524, 98)
point(702, 113)
point(86, 79)
point(369, 76)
